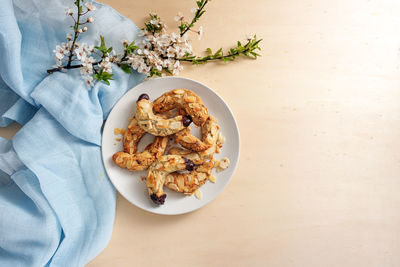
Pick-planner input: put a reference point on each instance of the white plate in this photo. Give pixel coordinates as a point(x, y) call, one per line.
point(129, 183)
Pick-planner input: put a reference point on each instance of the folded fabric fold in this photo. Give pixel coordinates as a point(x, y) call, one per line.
point(74, 182)
point(57, 204)
point(12, 107)
point(30, 232)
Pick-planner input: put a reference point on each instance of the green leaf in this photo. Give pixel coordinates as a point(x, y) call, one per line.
point(126, 68)
point(109, 50)
point(218, 53)
point(199, 3)
point(209, 51)
point(108, 75)
point(106, 82)
point(254, 54)
point(102, 43)
point(256, 43)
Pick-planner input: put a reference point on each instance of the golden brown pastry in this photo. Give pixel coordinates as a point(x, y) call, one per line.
point(132, 136)
point(184, 99)
point(211, 138)
point(141, 161)
point(189, 182)
point(155, 124)
point(186, 139)
point(193, 156)
point(159, 170)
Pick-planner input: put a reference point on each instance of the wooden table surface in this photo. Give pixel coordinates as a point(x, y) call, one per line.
point(319, 114)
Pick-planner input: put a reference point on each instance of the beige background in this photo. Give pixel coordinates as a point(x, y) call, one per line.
point(319, 175)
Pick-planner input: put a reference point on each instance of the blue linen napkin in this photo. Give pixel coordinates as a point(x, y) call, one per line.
point(56, 202)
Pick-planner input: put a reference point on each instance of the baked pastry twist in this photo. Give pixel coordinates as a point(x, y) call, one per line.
point(155, 124)
point(186, 139)
point(193, 156)
point(132, 136)
point(159, 170)
point(182, 99)
point(189, 182)
point(141, 161)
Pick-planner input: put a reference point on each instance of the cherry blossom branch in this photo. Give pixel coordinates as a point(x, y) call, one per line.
point(247, 50)
point(50, 71)
point(184, 26)
point(155, 52)
point(76, 33)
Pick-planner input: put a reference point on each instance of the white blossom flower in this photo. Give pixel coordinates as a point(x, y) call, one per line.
point(178, 17)
point(180, 52)
point(113, 57)
point(154, 21)
point(90, 7)
point(174, 37)
point(66, 46)
point(69, 36)
point(184, 38)
point(80, 30)
point(88, 61)
point(59, 52)
point(106, 65)
point(249, 37)
point(177, 68)
point(69, 11)
point(81, 53)
point(168, 63)
point(59, 56)
point(137, 63)
point(58, 63)
point(134, 60)
point(125, 42)
point(200, 32)
point(84, 29)
point(143, 32)
point(142, 67)
point(88, 81)
point(90, 19)
point(171, 52)
point(188, 47)
point(84, 47)
point(86, 69)
point(90, 49)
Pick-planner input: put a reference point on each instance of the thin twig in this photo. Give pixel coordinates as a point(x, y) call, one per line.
point(75, 37)
point(49, 71)
point(195, 17)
